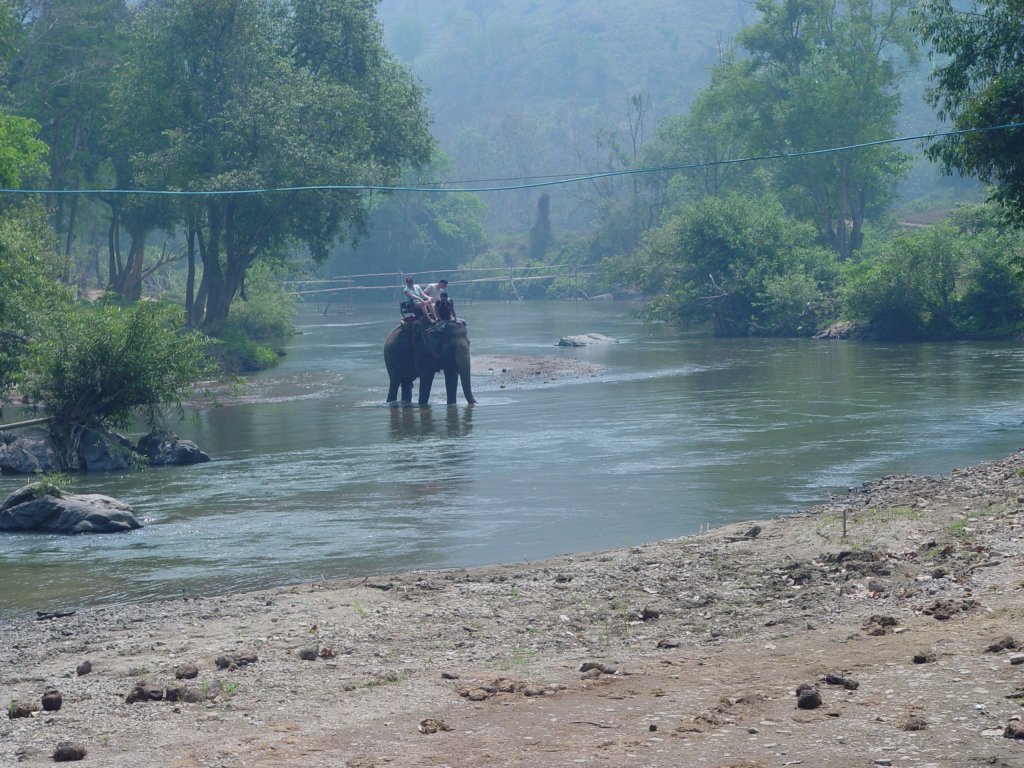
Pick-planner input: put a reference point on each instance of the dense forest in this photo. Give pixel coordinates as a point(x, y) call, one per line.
point(736, 167)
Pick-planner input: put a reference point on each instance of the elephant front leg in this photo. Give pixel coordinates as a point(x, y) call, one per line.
point(426, 382)
point(407, 391)
point(451, 384)
point(393, 390)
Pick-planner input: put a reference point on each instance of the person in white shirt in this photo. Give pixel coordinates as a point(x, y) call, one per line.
point(434, 290)
point(420, 299)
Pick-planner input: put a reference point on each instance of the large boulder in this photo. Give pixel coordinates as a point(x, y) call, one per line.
point(100, 450)
point(27, 452)
point(32, 451)
point(162, 448)
point(24, 510)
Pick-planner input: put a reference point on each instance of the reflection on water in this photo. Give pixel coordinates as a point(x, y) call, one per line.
point(429, 443)
point(314, 477)
point(413, 422)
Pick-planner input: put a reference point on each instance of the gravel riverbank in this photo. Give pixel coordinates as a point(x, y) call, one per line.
point(685, 652)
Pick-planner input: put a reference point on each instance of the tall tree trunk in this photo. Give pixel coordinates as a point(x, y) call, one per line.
point(113, 273)
point(842, 245)
point(213, 274)
point(198, 314)
point(131, 284)
point(70, 240)
point(190, 278)
point(857, 232)
point(94, 238)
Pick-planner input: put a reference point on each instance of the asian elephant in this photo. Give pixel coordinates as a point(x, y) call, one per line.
point(415, 350)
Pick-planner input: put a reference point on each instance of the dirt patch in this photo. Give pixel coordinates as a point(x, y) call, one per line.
point(526, 371)
point(687, 652)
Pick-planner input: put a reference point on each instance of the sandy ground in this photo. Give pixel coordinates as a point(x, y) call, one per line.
point(528, 371)
point(900, 604)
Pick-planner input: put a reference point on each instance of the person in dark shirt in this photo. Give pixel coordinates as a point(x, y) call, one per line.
point(445, 308)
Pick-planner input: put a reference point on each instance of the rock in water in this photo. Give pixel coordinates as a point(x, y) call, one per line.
point(164, 448)
point(31, 451)
point(103, 451)
point(586, 340)
point(71, 513)
point(27, 452)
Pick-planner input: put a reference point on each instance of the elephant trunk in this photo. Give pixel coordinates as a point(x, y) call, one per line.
point(462, 358)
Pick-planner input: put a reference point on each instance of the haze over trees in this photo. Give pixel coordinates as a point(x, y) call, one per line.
point(977, 82)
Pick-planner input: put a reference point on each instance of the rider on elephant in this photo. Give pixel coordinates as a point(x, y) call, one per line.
point(445, 308)
point(420, 301)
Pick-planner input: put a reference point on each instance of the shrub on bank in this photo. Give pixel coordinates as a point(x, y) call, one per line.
point(101, 366)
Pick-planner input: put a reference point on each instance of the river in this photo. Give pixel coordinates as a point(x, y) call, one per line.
point(313, 477)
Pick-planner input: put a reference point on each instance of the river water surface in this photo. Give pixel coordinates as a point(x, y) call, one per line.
point(313, 477)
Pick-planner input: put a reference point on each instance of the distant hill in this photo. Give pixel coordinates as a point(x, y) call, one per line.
point(519, 87)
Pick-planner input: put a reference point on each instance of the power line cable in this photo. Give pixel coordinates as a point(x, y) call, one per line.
point(552, 181)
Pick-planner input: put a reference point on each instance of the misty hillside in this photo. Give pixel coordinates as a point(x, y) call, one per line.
point(520, 87)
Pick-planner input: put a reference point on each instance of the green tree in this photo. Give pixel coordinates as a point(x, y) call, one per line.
point(992, 299)
point(100, 366)
point(61, 76)
point(258, 94)
point(30, 272)
point(737, 262)
point(953, 279)
point(30, 287)
point(541, 236)
point(21, 152)
point(813, 74)
point(909, 290)
point(978, 82)
point(714, 130)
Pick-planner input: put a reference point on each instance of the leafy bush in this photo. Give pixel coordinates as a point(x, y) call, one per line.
point(267, 313)
point(237, 353)
point(102, 365)
point(737, 262)
point(884, 295)
point(953, 279)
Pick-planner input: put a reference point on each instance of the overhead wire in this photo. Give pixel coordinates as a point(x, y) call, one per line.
point(548, 182)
